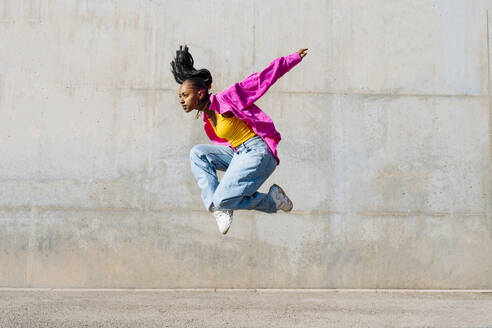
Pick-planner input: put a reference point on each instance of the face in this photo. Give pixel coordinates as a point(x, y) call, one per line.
point(189, 97)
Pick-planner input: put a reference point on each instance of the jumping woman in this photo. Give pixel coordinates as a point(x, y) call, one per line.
point(245, 139)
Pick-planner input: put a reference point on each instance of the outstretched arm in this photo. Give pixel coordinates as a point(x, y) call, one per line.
point(245, 93)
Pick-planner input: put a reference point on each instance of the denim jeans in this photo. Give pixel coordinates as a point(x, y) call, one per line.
point(245, 171)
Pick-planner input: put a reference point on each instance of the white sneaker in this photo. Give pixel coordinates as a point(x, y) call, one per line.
point(223, 218)
point(281, 200)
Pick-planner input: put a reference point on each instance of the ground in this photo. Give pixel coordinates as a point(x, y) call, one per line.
point(248, 308)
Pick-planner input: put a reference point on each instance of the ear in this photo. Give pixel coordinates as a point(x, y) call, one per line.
point(201, 94)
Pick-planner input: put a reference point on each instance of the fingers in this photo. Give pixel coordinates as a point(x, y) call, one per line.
point(302, 52)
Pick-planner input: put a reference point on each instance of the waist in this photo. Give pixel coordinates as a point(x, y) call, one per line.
point(251, 141)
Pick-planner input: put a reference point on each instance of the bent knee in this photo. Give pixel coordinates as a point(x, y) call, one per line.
point(196, 152)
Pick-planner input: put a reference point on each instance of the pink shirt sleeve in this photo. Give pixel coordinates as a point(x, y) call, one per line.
point(243, 94)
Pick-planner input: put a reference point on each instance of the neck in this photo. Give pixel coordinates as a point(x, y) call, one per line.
point(204, 107)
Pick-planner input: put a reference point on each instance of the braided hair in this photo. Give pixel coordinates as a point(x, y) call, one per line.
point(183, 70)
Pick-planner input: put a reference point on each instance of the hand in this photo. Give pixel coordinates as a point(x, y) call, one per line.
point(302, 52)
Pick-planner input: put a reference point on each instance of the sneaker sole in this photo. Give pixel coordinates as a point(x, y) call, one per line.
point(291, 205)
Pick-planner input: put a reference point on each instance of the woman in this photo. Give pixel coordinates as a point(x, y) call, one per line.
point(245, 139)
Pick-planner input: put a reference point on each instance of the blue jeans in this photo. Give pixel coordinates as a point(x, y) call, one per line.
point(245, 171)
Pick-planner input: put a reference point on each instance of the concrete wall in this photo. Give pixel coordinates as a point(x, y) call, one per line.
point(386, 149)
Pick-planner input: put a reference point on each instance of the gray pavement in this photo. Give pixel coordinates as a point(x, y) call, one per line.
point(96, 308)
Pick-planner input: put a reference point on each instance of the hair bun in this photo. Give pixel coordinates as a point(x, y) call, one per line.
point(182, 68)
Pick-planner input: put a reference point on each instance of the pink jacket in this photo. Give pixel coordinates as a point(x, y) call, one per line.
point(239, 98)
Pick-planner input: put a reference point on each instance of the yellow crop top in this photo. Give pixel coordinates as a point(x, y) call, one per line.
point(232, 129)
